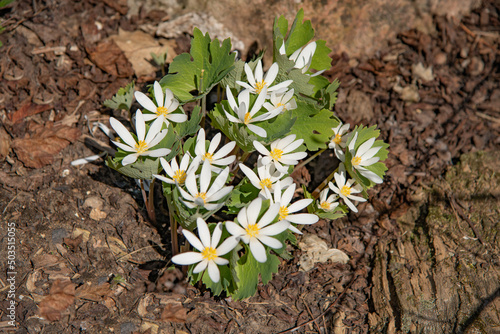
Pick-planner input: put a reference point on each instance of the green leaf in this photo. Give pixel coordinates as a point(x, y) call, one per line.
point(141, 169)
point(248, 270)
point(123, 98)
point(201, 69)
point(314, 126)
point(4, 3)
point(241, 195)
point(191, 126)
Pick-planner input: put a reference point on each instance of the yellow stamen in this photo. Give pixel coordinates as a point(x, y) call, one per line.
point(248, 117)
point(252, 230)
point(203, 196)
point(259, 86)
point(180, 176)
point(141, 147)
point(356, 161)
point(325, 205)
point(337, 139)
point(283, 212)
point(276, 154)
point(162, 111)
point(346, 190)
point(208, 156)
point(209, 253)
point(266, 183)
point(281, 104)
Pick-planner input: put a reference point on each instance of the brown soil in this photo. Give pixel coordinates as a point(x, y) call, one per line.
point(89, 260)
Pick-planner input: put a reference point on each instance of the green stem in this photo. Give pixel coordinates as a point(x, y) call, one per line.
point(173, 226)
point(315, 193)
point(311, 158)
point(148, 201)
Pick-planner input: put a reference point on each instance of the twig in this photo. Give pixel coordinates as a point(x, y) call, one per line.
point(325, 311)
point(464, 217)
point(311, 315)
point(302, 164)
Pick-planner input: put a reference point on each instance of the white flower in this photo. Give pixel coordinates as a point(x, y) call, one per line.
point(145, 142)
point(256, 233)
point(165, 107)
point(204, 196)
point(215, 158)
point(178, 173)
point(247, 117)
point(210, 254)
point(364, 156)
point(345, 189)
point(287, 210)
point(303, 57)
point(266, 179)
point(284, 100)
point(257, 82)
point(339, 139)
point(327, 203)
point(280, 152)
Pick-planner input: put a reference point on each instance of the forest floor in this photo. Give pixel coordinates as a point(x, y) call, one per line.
point(89, 260)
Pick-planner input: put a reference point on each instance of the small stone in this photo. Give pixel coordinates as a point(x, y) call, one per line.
point(58, 235)
point(94, 202)
point(440, 59)
point(97, 214)
point(476, 66)
point(127, 328)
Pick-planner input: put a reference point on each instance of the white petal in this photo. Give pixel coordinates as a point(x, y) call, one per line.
point(228, 245)
point(274, 229)
point(230, 98)
point(271, 242)
point(272, 73)
point(250, 174)
point(224, 150)
point(299, 205)
point(164, 179)
point(129, 159)
point(177, 118)
point(191, 184)
point(258, 72)
point(160, 152)
point(122, 131)
point(249, 73)
point(287, 196)
point(214, 143)
point(217, 195)
point(205, 176)
point(187, 258)
point(213, 272)
point(294, 229)
point(303, 218)
point(234, 229)
point(201, 266)
point(124, 147)
point(170, 100)
point(292, 146)
point(158, 94)
point(253, 211)
point(154, 129)
point(270, 215)
point(219, 181)
point(203, 232)
point(200, 143)
point(145, 101)
point(223, 162)
point(220, 261)
point(258, 250)
point(350, 205)
point(363, 148)
point(231, 118)
point(193, 240)
point(257, 130)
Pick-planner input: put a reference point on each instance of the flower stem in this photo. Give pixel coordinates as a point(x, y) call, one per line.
point(173, 226)
point(311, 158)
point(315, 193)
point(148, 201)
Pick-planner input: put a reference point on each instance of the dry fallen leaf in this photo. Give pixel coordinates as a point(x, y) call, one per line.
point(420, 72)
point(137, 47)
point(174, 312)
point(4, 143)
point(61, 296)
point(316, 250)
point(46, 141)
point(109, 58)
point(93, 293)
point(29, 109)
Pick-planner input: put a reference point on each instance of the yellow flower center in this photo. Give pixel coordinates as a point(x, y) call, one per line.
point(141, 147)
point(283, 212)
point(203, 196)
point(209, 253)
point(208, 156)
point(266, 183)
point(356, 161)
point(276, 154)
point(281, 104)
point(162, 111)
point(259, 86)
point(248, 117)
point(180, 176)
point(325, 205)
point(337, 139)
point(252, 230)
point(346, 190)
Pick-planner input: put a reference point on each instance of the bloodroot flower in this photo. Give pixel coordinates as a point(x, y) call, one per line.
point(365, 156)
point(210, 254)
point(327, 203)
point(345, 188)
point(178, 173)
point(214, 158)
point(165, 107)
point(143, 146)
point(280, 152)
point(287, 210)
point(257, 81)
point(254, 233)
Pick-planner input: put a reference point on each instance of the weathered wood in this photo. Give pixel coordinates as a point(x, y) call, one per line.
point(437, 276)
